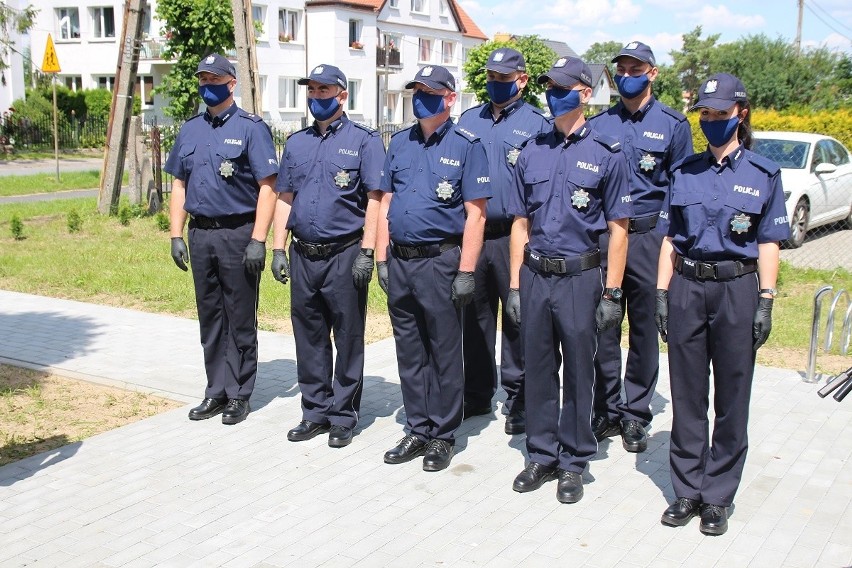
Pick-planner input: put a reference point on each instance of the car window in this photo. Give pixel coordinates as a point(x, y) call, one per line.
point(785, 153)
point(821, 154)
point(837, 153)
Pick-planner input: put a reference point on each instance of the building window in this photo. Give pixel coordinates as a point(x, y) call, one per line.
point(465, 54)
point(258, 17)
point(146, 21)
point(68, 22)
point(103, 22)
point(288, 89)
point(419, 6)
point(263, 94)
point(394, 3)
point(74, 82)
point(442, 7)
point(355, 34)
point(353, 103)
point(288, 25)
point(106, 82)
point(425, 50)
point(145, 90)
point(448, 50)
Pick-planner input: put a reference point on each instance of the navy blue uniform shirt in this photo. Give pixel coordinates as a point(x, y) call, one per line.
point(652, 139)
point(503, 140)
point(568, 188)
point(221, 159)
point(430, 180)
point(329, 176)
point(722, 211)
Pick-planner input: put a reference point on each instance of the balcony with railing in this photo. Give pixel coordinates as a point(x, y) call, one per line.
point(388, 57)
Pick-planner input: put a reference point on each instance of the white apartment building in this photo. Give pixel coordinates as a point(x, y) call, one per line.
point(379, 45)
point(13, 87)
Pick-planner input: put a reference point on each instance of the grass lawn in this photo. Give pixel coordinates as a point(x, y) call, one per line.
point(46, 183)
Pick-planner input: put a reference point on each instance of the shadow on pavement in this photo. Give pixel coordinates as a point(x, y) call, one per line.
point(28, 337)
point(19, 470)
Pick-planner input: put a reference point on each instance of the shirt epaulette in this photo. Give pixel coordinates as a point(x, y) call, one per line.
point(688, 159)
point(475, 109)
point(763, 163)
point(200, 114)
point(610, 142)
point(601, 113)
point(537, 110)
point(398, 132)
point(250, 116)
point(671, 112)
point(365, 128)
point(466, 134)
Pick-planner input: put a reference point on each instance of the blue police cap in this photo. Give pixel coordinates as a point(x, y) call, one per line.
point(637, 50)
point(216, 64)
point(567, 71)
point(720, 92)
point(326, 75)
point(506, 60)
point(434, 77)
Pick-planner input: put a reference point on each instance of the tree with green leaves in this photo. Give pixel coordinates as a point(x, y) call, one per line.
point(694, 61)
point(539, 58)
point(603, 52)
point(667, 87)
point(12, 20)
point(193, 29)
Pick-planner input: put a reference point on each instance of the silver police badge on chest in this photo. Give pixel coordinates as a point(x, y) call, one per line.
point(342, 179)
point(647, 163)
point(740, 223)
point(444, 190)
point(512, 156)
point(580, 198)
point(226, 170)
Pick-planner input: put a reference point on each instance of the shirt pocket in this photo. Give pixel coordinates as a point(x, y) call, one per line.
point(345, 173)
point(186, 154)
point(651, 159)
point(298, 169)
point(742, 215)
point(446, 184)
point(511, 151)
point(228, 160)
point(585, 193)
point(538, 182)
point(400, 173)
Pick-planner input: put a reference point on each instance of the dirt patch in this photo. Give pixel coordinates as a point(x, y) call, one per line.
point(378, 326)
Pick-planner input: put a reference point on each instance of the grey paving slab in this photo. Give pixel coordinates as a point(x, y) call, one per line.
point(170, 492)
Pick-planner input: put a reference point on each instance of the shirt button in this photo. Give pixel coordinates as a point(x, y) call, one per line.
point(715, 197)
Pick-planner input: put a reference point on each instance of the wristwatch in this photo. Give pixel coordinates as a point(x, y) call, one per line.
point(614, 294)
point(771, 291)
point(367, 252)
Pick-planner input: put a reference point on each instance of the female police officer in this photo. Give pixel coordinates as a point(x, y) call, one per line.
point(725, 215)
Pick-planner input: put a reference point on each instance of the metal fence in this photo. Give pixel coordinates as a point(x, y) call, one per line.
point(23, 133)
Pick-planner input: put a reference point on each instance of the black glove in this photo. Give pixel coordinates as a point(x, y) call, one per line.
point(254, 258)
point(513, 305)
point(608, 314)
point(362, 268)
point(280, 267)
point(463, 287)
point(382, 269)
point(762, 322)
point(661, 314)
point(179, 253)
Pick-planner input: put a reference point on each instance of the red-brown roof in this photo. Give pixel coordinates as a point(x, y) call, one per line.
point(466, 24)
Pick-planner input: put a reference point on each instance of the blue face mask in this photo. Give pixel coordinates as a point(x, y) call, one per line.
point(214, 95)
point(323, 109)
point(719, 132)
point(500, 92)
point(561, 101)
point(427, 105)
point(631, 87)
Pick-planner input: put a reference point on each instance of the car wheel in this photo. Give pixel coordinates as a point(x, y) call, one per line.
point(847, 222)
point(799, 224)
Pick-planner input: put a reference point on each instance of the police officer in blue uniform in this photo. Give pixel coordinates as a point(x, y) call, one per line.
point(724, 218)
point(436, 185)
point(504, 124)
point(328, 185)
point(224, 164)
point(653, 137)
point(570, 187)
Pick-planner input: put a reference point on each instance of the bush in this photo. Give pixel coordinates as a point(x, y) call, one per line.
point(98, 102)
point(74, 221)
point(162, 221)
point(17, 228)
point(128, 212)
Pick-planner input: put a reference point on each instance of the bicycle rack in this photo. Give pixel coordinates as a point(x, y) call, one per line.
point(846, 333)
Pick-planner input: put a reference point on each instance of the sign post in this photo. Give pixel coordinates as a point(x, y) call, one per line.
point(50, 64)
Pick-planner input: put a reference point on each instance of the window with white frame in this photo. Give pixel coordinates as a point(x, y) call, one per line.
point(353, 103)
point(146, 20)
point(394, 3)
point(145, 90)
point(106, 82)
point(68, 23)
point(443, 10)
point(425, 52)
point(74, 82)
point(288, 90)
point(288, 25)
point(419, 6)
point(258, 16)
point(448, 52)
point(355, 34)
point(103, 22)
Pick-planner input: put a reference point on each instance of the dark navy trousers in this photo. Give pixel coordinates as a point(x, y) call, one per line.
point(427, 328)
point(710, 323)
point(558, 316)
point(323, 298)
point(643, 357)
point(226, 297)
point(480, 333)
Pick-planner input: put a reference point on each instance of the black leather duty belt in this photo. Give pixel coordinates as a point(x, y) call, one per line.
point(407, 252)
point(720, 270)
point(563, 266)
point(497, 229)
point(321, 251)
point(225, 222)
point(643, 224)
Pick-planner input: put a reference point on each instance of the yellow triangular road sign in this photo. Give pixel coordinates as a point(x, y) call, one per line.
point(51, 62)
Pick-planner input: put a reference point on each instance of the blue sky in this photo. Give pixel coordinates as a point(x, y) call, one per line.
point(661, 23)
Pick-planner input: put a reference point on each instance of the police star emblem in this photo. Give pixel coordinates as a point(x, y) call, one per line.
point(512, 156)
point(740, 223)
point(580, 198)
point(444, 190)
point(226, 170)
point(647, 163)
point(342, 179)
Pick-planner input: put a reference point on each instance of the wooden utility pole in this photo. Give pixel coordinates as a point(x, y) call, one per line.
point(244, 41)
point(122, 108)
point(799, 27)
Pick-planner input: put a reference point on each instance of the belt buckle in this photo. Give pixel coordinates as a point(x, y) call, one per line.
point(706, 270)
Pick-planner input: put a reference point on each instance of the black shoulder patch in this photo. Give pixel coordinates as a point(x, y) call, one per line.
point(609, 142)
point(763, 163)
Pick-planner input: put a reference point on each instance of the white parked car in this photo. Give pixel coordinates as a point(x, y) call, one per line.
point(816, 172)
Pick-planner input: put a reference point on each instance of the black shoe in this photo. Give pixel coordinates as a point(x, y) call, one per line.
point(633, 436)
point(603, 427)
point(714, 519)
point(439, 453)
point(406, 450)
point(680, 512)
point(533, 477)
point(339, 436)
point(208, 408)
point(516, 422)
point(470, 410)
point(570, 487)
point(236, 411)
point(306, 430)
